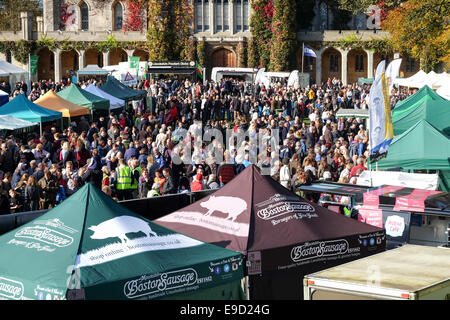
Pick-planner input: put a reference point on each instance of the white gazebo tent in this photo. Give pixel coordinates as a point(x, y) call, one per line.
point(444, 91)
point(8, 122)
point(420, 79)
point(114, 103)
point(14, 73)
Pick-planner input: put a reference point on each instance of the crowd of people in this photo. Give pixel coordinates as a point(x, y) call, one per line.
point(133, 153)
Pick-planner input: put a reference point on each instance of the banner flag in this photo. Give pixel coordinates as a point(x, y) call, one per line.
point(134, 62)
point(199, 71)
point(380, 120)
point(33, 65)
point(309, 52)
point(392, 72)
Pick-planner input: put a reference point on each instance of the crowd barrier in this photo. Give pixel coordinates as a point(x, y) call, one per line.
point(150, 208)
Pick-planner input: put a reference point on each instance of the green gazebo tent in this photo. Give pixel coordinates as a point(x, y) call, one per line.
point(422, 147)
point(404, 106)
point(436, 112)
point(117, 89)
point(90, 247)
point(81, 97)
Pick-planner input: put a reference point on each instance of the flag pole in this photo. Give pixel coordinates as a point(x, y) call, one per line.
point(303, 54)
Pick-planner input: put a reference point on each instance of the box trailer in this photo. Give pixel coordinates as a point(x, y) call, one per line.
point(410, 272)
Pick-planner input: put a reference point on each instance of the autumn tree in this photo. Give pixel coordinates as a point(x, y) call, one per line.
point(261, 26)
point(422, 30)
point(284, 35)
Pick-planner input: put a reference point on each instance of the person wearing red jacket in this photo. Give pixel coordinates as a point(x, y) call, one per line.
point(196, 184)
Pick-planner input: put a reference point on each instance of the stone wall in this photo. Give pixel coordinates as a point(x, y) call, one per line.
point(100, 14)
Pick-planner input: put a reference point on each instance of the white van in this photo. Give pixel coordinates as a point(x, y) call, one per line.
point(246, 74)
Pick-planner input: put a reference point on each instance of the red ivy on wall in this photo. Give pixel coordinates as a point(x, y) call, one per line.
point(65, 15)
point(134, 20)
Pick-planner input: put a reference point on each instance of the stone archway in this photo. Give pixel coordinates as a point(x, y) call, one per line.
point(356, 65)
point(223, 57)
point(331, 64)
point(69, 63)
point(93, 56)
point(46, 64)
point(117, 55)
point(142, 54)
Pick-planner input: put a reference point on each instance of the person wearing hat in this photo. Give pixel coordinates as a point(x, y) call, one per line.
point(196, 184)
point(155, 191)
point(106, 181)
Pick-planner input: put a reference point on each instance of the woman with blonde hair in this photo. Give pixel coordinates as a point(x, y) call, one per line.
point(40, 154)
point(66, 154)
point(152, 166)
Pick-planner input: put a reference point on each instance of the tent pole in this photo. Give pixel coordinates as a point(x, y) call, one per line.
point(40, 128)
point(247, 288)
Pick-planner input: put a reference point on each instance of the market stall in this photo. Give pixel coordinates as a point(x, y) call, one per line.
point(422, 147)
point(114, 103)
point(81, 97)
point(436, 112)
point(52, 101)
point(115, 88)
point(8, 122)
point(22, 108)
point(13, 74)
point(90, 247)
point(444, 91)
point(411, 102)
point(409, 215)
point(92, 71)
point(282, 235)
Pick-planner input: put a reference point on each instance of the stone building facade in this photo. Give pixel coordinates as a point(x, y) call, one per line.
point(223, 25)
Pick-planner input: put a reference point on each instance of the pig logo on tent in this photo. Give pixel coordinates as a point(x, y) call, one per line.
point(119, 227)
point(232, 206)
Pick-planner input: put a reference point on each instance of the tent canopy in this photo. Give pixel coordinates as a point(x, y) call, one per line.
point(92, 69)
point(54, 102)
point(22, 108)
point(352, 113)
point(280, 233)
point(115, 88)
point(362, 81)
point(241, 215)
point(422, 146)
point(410, 103)
point(114, 102)
point(444, 91)
point(116, 254)
point(435, 112)
point(14, 73)
point(81, 97)
point(8, 122)
point(421, 79)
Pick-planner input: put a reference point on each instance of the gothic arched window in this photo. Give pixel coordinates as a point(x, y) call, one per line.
point(84, 16)
point(118, 16)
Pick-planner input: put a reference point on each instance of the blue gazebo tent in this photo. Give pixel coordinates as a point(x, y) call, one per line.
point(22, 108)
